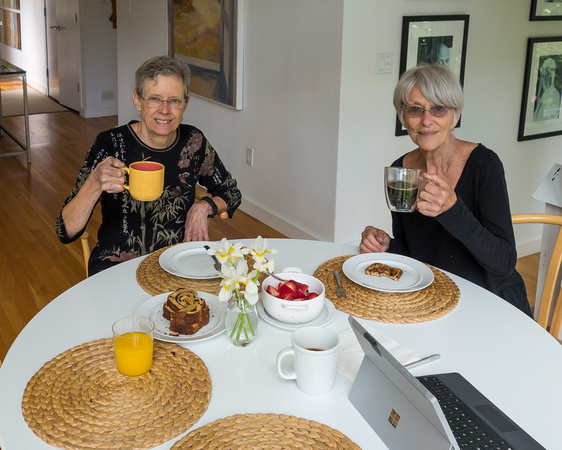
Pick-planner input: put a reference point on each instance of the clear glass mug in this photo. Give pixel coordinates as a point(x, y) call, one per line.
point(402, 188)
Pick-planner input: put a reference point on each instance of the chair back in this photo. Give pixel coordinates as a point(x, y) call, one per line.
point(553, 275)
point(85, 239)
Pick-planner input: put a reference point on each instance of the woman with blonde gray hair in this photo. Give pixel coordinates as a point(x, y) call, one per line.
point(462, 221)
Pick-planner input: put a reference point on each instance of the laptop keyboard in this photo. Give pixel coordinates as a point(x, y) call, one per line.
point(469, 430)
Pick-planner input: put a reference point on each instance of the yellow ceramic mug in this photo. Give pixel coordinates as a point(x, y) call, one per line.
point(146, 180)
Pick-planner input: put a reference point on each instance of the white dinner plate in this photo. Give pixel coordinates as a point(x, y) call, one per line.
point(188, 260)
point(152, 309)
point(324, 318)
point(416, 275)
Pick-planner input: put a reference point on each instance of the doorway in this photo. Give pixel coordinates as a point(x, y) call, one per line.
point(63, 52)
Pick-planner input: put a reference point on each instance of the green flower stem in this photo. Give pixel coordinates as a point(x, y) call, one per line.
point(243, 322)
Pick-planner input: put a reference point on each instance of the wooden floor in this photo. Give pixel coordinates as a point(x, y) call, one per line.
point(34, 266)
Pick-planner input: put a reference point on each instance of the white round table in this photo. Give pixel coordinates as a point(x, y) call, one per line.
point(505, 354)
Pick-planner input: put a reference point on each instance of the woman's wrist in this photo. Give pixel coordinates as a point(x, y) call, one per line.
point(212, 206)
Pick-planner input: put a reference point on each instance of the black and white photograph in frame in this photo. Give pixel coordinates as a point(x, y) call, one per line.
point(546, 10)
point(541, 114)
point(433, 40)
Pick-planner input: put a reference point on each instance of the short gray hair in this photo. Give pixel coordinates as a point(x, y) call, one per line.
point(162, 65)
point(437, 83)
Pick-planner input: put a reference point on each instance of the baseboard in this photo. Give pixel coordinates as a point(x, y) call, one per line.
point(280, 224)
point(98, 112)
point(528, 248)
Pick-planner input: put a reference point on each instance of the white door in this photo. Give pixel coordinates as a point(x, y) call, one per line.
point(52, 57)
point(63, 32)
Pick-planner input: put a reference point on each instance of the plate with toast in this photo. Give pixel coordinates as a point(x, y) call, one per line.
point(388, 272)
point(154, 307)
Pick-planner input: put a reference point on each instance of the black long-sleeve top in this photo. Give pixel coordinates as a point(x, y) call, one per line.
point(474, 239)
point(132, 228)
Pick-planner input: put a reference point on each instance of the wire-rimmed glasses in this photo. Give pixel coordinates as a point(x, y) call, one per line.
point(155, 102)
point(417, 111)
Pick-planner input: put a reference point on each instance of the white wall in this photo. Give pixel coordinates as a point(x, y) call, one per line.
point(292, 52)
point(99, 59)
point(321, 122)
point(142, 32)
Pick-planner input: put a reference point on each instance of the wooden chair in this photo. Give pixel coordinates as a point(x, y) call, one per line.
point(86, 250)
point(85, 238)
point(552, 275)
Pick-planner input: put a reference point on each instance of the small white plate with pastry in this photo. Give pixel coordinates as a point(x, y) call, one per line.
point(388, 272)
point(153, 309)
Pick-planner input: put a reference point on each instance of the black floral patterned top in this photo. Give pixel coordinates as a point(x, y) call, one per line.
point(132, 228)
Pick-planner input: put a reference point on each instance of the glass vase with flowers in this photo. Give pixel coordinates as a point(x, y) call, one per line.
point(239, 286)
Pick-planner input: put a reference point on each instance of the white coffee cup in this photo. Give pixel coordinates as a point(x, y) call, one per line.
point(315, 360)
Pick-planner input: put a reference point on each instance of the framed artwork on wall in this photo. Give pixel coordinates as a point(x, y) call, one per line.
point(207, 36)
point(433, 40)
point(541, 114)
point(10, 23)
point(546, 10)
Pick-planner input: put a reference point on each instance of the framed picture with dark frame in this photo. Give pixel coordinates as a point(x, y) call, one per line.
point(546, 10)
point(433, 40)
point(541, 113)
point(207, 36)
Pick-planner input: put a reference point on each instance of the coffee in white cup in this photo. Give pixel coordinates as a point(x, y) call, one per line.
point(315, 360)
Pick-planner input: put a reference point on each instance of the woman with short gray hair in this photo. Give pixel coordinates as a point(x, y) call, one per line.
point(462, 220)
point(131, 227)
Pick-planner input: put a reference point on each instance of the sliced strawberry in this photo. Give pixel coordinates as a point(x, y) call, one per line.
point(311, 295)
point(291, 284)
point(286, 292)
point(272, 291)
point(302, 290)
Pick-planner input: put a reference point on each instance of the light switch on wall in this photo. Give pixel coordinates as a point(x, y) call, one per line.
point(383, 63)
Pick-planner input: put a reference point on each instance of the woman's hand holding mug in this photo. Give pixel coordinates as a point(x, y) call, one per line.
point(108, 175)
point(436, 196)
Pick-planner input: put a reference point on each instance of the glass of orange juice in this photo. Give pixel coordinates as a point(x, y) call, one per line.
point(133, 341)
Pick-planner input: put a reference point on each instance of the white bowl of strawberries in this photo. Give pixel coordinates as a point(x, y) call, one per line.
point(299, 299)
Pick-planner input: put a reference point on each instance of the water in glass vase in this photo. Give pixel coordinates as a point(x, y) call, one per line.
point(241, 322)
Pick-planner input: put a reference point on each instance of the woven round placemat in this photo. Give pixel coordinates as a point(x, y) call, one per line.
point(430, 303)
point(79, 400)
point(155, 280)
point(265, 431)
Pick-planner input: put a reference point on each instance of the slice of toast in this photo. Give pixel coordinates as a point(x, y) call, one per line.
point(384, 270)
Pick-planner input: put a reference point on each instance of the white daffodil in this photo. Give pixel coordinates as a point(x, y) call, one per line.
point(259, 249)
point(232, 277)
point(264, 265)
point(251, 294)
point(225, 251)
point(239, 285)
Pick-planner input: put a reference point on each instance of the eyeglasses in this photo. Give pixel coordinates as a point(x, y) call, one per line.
point(435, 111)
point(155, 102)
